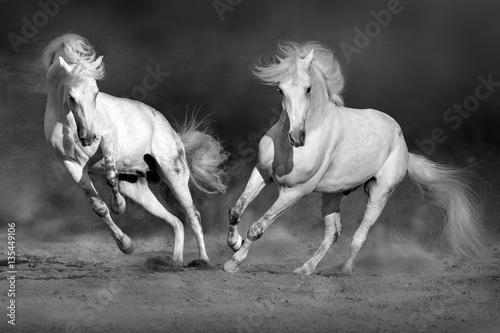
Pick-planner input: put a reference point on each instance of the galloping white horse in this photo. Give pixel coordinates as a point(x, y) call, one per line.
point(123, 139)
point(319, 145)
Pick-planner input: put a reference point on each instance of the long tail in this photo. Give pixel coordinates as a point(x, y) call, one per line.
point(205, 157)
point(456, 191)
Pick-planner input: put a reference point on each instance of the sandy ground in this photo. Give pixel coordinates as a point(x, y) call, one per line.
point(73, 278)
point(84, 284)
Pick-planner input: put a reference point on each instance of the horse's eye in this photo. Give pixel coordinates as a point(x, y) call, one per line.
point(71, 98)
point(308, 90)
point(280, 91)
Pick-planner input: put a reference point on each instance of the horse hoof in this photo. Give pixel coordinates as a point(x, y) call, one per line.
point(129, 250)
point(235, 246)
point(231, 266)
point(302, 271)
point(345, 271)
point(126, 245)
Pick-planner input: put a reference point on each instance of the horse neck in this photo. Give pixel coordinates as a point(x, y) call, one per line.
point(55, 99)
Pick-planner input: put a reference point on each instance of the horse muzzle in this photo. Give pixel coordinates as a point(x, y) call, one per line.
point(85, 141)
point(297, 139)
point(85, 136)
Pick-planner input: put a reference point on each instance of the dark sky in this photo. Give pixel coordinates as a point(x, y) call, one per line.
point(426, 59)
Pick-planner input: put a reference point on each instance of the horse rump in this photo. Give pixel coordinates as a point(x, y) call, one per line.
point(206, 159)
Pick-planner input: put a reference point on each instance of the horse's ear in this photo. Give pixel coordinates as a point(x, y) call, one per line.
point(98, 61)
point(308, 59)
point(65, 65)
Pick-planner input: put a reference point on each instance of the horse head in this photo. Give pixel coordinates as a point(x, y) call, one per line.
point(296, 91)
point(80, 97)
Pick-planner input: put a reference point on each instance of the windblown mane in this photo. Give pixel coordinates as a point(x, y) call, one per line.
point(76, 50)
point(284, 65)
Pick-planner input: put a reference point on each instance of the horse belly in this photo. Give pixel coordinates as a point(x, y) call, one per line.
point(346, 174)
point(336, 183)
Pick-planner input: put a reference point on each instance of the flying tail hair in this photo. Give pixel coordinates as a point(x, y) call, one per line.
point(205, 156)
point(457, 192)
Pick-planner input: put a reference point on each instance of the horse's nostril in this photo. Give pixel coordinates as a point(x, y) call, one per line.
point(290, 137)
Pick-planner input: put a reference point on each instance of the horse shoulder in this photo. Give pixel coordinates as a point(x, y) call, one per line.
point(266, 150)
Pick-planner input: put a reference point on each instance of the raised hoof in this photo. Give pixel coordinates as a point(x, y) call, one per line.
point(199, 263)
point(125, 245)
point(235, 246)
point(231, 266)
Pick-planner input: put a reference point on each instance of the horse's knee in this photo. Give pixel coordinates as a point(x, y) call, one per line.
point(99, 207)
point(234, 216)
point(255, 231)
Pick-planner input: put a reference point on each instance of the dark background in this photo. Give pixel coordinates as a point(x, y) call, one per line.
point(428, 58)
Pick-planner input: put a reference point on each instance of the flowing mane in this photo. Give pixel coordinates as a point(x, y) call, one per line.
point(75, 50)
point(284, 65)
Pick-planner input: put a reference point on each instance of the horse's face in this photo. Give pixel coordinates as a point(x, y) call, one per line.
point(81, 101)
point(296, 101)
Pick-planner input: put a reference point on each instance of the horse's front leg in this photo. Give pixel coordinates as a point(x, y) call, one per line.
point(287, 198)
point(118, 204)
point(255, 184)
point(81, 177)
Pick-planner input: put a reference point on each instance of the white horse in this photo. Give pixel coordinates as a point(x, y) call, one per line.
point(123, 139)
point(318, 145)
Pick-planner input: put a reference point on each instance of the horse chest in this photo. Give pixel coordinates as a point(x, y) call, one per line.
point(63, 140)
point(289, 166)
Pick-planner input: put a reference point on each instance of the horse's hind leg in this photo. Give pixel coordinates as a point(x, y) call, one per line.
point(379, 190)
point(255, 184)
point(177, 178)
point(140, 192)
point(376, 203)
point(330, 209)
